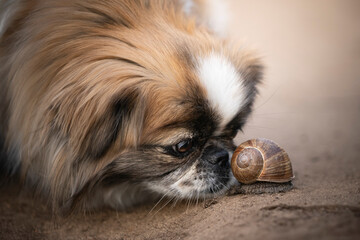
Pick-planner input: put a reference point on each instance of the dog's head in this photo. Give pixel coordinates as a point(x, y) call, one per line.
point(140, 97)
point(169, 125)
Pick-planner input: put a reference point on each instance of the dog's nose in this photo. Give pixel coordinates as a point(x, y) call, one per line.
point(222, 157)
point(216, 155)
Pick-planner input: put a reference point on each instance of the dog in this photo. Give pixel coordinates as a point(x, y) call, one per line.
point(112, 103)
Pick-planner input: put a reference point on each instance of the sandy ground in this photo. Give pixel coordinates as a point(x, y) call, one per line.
point(309, 104)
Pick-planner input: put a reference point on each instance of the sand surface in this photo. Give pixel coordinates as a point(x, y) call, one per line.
point(309, 104)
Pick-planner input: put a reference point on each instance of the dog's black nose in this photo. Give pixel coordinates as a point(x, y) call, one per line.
point(216, 155)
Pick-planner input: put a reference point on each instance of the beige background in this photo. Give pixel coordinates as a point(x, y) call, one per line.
point(309, 104)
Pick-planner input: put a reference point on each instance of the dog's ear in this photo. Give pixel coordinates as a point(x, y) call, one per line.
point(122, 121)
point(91, 127)
point(251, 69)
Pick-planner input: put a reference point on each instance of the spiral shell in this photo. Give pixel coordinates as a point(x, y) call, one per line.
point(261, 160)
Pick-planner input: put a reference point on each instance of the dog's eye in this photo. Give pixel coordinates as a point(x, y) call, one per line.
point(184, 146)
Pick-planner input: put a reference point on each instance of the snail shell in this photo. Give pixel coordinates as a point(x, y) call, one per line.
point(261, 160)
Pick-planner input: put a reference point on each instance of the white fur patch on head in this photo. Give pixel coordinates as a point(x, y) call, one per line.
point(224, 86)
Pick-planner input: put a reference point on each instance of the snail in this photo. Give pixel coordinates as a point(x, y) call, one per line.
point(261, 160)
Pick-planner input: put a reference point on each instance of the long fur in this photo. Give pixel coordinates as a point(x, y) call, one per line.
point(92, 91)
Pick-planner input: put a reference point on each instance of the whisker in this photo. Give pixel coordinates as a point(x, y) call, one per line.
point(172, 198)
point(222, 184)
point(188, 204)
point(157, 203)
point(197, 198)
point(176, 200)
point(272, 95)
point(260, 127)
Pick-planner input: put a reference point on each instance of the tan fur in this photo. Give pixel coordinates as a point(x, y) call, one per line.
point(63, 66)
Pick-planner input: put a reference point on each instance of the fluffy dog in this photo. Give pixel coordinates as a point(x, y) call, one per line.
point(106, 103)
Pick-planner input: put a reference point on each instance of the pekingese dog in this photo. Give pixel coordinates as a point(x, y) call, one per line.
point(111, 103)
